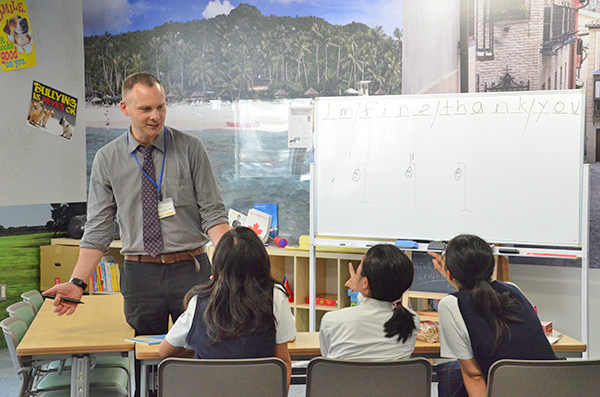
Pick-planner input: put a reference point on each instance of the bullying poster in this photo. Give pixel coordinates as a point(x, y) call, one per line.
point(16, 40)
point(52, 111)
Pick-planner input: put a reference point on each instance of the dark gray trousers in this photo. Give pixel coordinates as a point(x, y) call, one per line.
point(153, 291)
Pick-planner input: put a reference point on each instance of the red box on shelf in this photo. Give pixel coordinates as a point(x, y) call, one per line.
point(547, 327)
point(325, 300)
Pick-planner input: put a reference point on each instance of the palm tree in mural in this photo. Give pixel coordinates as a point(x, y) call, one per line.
point(156, 44)
point(202, 71)
point(300, 47)
point(316, 36)
point(398, 35)
point(264, 49)
point(137, 63)
point(184, 52)
point(299, 54)
point(120, 65)
point(351, 60)
point(326, 41)
point(106, 55)
point(338, 41)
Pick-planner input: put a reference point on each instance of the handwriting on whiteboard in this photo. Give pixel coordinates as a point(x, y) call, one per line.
point(531, 108)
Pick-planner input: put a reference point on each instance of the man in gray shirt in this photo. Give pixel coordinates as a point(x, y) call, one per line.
point(163, 264)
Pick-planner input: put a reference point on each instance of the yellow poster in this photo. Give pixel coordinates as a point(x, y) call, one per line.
point(16, 40)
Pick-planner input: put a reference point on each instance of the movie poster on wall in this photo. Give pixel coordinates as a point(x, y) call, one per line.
point(52, 111)
point(17, 50)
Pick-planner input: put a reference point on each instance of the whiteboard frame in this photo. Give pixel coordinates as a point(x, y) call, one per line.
point(578, 251)
point(573, 241)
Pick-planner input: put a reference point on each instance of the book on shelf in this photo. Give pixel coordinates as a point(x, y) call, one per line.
point(107, 286)
point(235, 218)
point(260, 222)
point(106, 278)
point(271, 209)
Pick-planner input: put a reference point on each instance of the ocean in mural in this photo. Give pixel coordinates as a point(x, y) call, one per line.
point(251, 166)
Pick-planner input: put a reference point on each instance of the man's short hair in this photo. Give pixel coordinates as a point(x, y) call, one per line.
point(138, 78)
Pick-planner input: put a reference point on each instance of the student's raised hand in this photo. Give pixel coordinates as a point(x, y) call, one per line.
point(352, 282)
point(438, 262)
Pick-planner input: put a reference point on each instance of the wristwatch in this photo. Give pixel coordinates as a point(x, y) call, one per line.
point(78, 282)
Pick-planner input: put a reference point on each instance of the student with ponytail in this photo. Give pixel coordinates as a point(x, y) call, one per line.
point(379, 328)
point(484, 321)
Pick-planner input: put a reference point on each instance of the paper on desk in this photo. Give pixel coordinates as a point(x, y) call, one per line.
point(553, 337)
point(149, 340)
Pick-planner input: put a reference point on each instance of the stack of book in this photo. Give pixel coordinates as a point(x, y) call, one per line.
point(106, 278)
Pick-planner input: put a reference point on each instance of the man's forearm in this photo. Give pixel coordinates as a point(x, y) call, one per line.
point(87, 262)
point(216, 232)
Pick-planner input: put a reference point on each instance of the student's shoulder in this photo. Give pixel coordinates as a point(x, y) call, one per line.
point(279, 291)
point(339, 316)
point(448, 302)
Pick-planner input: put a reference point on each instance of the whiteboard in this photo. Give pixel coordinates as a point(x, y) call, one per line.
point(39, 167)
point(505, 166)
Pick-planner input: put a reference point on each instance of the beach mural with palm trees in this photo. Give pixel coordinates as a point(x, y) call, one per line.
point(232, 78)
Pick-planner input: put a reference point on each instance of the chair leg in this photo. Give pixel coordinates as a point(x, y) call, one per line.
point(26, 382)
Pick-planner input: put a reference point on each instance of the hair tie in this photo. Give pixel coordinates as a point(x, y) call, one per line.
point(395, 303)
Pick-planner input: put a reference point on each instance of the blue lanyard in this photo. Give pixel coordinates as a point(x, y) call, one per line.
point(161, 168)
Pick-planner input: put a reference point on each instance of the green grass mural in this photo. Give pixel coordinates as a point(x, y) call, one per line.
point(20, 267)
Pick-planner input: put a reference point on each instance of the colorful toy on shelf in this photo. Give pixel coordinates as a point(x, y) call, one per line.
point(325, 300)
point(353, 297)
point(286, 285)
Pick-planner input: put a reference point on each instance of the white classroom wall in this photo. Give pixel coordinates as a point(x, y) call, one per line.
point(556, 291)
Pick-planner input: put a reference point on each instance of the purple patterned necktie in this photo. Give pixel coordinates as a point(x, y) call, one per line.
point(152, 238)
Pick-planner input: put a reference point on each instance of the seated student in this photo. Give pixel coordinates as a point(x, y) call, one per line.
point(242, 312)
point(484, 321)
point(379, 328)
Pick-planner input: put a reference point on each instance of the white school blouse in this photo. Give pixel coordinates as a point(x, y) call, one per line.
point(356, 333)
point(285, 328)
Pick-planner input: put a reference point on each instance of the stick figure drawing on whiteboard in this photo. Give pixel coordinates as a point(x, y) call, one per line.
point(359, 176)
point(411, 173)
point(460, 175)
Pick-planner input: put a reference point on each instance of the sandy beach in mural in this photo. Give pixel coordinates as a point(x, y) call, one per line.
point(264, 116)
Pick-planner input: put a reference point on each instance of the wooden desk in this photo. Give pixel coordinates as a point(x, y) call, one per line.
point(97, 327)
point(306, 346)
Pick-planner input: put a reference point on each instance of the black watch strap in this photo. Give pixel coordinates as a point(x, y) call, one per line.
point(78, 282)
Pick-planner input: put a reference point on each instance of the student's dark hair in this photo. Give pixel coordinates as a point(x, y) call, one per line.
point(390, 273)
point(241, 290)
point(470, 260)
point(143, 78)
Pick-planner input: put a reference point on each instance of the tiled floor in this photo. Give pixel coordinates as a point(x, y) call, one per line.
point(9, 381)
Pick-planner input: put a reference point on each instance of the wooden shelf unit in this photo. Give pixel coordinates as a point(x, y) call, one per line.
point(331, 274)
